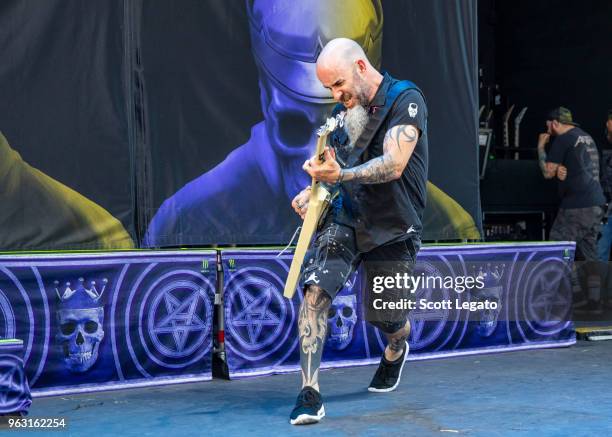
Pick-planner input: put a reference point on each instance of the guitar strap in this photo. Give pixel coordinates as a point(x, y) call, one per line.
point(376, 120)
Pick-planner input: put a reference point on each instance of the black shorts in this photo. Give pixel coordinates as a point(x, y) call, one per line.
point(581, 225)
point(333, 257)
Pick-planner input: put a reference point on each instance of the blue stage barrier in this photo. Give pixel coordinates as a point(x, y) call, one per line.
point(124, 319)
point(529, 282)
point(110, 320)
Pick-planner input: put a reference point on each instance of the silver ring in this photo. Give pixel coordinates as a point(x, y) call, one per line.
point(300, 205)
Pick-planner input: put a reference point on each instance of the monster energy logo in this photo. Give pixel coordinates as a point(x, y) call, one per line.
point(232, 263)
point(204, 265)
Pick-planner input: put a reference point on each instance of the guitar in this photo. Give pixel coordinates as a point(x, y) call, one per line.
point(317, 206)
point(506, 131)
point(517, 125)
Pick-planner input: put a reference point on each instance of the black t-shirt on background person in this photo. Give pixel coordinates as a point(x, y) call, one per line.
point(577, 151)
point(605, 164)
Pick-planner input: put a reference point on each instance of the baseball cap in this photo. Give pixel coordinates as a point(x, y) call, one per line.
point(562, 115)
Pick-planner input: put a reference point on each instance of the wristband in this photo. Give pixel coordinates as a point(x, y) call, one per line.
point(340, 176)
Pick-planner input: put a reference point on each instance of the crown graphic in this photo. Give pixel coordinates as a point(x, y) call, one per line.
point(80, 296)
point(490, 276)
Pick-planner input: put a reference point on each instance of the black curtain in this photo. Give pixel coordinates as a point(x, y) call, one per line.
point(435, 44)
point(66, 177)
point(555, 54)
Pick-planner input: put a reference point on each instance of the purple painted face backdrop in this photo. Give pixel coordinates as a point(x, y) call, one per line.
point(187, 123)
point(244, 197)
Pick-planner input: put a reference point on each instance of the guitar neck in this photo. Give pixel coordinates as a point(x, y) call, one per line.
point(319, 199)
point(319, 151)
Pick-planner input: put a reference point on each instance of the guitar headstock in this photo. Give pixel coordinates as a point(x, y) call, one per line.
point(331, 124)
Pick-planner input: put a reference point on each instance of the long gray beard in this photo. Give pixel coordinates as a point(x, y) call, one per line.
point(355, 122)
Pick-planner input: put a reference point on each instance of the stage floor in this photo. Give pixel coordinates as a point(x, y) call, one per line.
point(562, 391)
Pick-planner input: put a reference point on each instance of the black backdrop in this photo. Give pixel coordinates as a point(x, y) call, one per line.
point(434, 43)
point(547, 54)
point(126, 101)
point(63, 109)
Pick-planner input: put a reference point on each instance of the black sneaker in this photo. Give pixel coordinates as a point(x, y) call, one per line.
point(387, 376)
point(308, 408)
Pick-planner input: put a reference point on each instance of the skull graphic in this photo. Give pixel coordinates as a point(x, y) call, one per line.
point(80, 318)
point(286, 39)
point(342, 318)
point(492, 291)
point(80, 336)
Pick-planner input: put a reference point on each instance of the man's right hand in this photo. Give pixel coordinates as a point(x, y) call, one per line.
point(300, 202)
point(561, 172)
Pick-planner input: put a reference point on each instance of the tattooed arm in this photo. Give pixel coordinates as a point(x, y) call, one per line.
point(549, 169)
point(398, 146)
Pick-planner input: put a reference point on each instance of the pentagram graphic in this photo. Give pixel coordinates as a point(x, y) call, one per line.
point(168, 321)
point(419, 318)
point(426, 325)
point(19, 303)
point(7, 317)
point(176, 319)
point(546, 303)
point(550, 304)
point(256, 312)
point(13, 384)
point(258, 319)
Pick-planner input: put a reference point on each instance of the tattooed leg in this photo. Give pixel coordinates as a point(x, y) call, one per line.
point(312, 327)
point(396, 342)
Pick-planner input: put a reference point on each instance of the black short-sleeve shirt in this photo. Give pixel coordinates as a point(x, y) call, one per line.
point(577, 151)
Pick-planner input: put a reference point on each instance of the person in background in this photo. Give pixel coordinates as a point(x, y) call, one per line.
point(580, 211)
point(605, 240)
